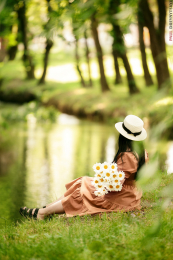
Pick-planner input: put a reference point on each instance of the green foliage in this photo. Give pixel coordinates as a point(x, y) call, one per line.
point(13, 113)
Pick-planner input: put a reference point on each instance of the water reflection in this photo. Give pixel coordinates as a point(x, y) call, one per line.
point(61, 147)
point(110, 148)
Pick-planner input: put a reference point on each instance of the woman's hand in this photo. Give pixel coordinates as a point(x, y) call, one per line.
point(146, 156)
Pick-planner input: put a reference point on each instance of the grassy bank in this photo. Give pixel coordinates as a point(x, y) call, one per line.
point(145, 234)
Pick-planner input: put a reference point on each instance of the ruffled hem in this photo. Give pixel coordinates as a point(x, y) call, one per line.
point(73, 201)
point(116, 209)
point(76, 203)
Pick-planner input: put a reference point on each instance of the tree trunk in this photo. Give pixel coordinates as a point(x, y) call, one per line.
point(103, 81)
point(77, 64)
point(157, 41)
point(3, 52)
point(118, 78)
point(121, 51)
point(12, 51)
point(49, 44)
point(161, 38)
point(147, 76)
point(29, 66)
point(131, 81)
point(88, 59)
point(119, 46)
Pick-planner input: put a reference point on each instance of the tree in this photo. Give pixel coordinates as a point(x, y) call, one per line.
point(88, 12)
point(147, 76)
point(79, 28)
point(118, 78)
point(119, 46)
point(8, 30)
point(49, 43)
point(27, 59)
point(78, 63)
point(157, 40)
point(87, 58)
point(94, 25)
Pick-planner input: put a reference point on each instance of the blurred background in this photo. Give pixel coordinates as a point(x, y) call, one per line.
point(69, 70)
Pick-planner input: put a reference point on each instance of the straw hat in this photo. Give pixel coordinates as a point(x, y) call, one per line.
point(132, 128)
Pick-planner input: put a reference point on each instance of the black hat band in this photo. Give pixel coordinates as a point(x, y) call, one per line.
point(129, 132)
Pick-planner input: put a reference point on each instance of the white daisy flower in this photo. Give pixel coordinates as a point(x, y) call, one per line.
point(98, 175)
point(101, 180)
point(105, 191)
point(101, 191)
point(107, 174)
point(96, 181)
point(118, 187)
point(106, 180)
point(106, 166)
point(97, 193)
point(110, 187)
point(113, 166)
point(116, 181)
point(99, 186)
point(114, 175)
point(97, 167)
point(121, 175)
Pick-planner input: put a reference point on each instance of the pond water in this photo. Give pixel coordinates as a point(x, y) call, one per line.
point(38, 160)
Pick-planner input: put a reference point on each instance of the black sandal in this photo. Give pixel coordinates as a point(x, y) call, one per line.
point(28, 214)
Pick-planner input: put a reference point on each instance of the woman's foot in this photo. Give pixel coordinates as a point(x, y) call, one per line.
point(32, 213)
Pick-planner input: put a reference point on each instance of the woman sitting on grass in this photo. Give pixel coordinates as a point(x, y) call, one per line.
point(80, 199)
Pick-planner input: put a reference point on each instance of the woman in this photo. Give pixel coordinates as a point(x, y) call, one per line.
point(79, 199)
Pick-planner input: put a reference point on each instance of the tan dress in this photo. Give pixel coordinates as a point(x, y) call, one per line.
point(79, 199)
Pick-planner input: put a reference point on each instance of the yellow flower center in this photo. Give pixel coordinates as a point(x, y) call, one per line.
point(113, 167)
point(107, 174)
point(101, 180)
point(110, 186)
point(98, 168)
point(114, 176)
point(105, 166)
point(99, 175)
point(96, 181)
point(120, 175)
point(117, 186)
point(116, 180)
point(99, 186)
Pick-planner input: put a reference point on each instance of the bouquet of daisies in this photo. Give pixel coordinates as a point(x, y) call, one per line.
point(107, 178)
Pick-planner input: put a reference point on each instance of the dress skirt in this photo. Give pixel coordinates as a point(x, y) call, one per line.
point(79, 199)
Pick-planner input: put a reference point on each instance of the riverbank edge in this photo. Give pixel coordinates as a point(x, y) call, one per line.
point(101, 107)
point(108, 107)
point(152, 106)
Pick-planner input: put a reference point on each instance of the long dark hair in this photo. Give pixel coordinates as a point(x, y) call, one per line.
point(127, 145)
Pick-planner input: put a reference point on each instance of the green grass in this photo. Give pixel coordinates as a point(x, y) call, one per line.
point(139, 235)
